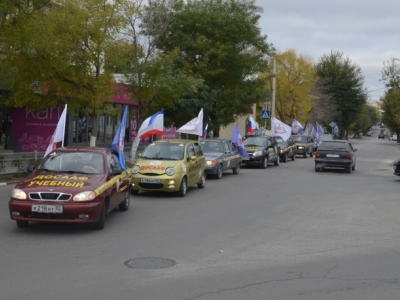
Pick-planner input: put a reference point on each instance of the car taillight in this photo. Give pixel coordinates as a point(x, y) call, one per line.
point(348, 155)
point(317, 154)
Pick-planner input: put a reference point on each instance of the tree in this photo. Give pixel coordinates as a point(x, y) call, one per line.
point(368, 117)
point(294, 83)
point(53, 53)
point(344, 81)
point(218, 41)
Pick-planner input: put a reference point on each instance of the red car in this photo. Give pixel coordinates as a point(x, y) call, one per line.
point(72, 185)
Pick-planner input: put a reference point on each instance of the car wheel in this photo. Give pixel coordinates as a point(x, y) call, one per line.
point(124, 205)
point(285, 157)
point(237, 169)
point(220, 171)
point(305, 154)
point(202, 182)
point(100, 223)
point(348, 170)
point(183, 188)
point(278, 160)
point(354, 167)
point(264, 162)
point(311, 154)
point(22, 224)
point(294, 157)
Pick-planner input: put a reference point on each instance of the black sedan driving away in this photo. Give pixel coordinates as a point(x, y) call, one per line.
point(338, 154)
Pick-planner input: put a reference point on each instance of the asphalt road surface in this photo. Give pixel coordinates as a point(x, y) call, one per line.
point(285, 232)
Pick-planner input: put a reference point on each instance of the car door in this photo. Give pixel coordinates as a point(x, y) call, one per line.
point(275, 146)
point(117, 187)
point(235, 155)
point(194, 166)
point(227, 155)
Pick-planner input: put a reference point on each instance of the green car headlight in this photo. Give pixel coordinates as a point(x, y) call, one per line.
point(170, 171)
point(135, 169)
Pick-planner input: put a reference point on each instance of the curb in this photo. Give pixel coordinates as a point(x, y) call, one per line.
point(7, 183)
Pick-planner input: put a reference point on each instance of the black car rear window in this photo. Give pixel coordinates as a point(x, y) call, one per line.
point(333, 145)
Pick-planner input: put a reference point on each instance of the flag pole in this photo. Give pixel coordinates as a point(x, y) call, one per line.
point(63, 134)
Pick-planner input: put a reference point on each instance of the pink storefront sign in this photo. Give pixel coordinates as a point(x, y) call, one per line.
point(34, 130)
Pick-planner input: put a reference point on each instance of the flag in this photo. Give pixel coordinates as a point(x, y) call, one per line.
point(297, 128)
point(318, 133)
point(118, 142)
point(152, 125)
point(205, 132)
point(58, 135)
point(238, 141)
point(194, 126)
point(251, 125)
point(281, 129)
point(313, 133)
point(336, 130)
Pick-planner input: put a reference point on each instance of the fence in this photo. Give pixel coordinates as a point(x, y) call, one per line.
point(17, 162)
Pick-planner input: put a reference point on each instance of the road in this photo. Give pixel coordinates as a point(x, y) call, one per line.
point(286, 232)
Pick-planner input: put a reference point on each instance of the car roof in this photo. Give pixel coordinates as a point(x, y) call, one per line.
point(177, 141)
point(83, 149)
point(215, 140)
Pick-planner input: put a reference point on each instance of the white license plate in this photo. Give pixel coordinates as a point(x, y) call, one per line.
point(146, 180)
point(332, 155)
point(52, 209)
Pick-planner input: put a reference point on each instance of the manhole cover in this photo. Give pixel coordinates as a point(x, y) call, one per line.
point(149, 263)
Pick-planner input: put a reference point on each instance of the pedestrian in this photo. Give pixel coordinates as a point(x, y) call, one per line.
point(6, 128)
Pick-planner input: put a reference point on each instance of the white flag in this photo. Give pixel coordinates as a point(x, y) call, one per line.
point(194, 126)
point(281, 129)
point(58, 135)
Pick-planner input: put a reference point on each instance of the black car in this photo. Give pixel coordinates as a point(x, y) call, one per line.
point(338, 154)
point(304, 145)
point(381, 135)
point(221, 155)
point(262, 150)
point(288, 148)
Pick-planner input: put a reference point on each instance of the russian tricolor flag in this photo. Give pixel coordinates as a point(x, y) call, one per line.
point(251, 125)
point(152, 125)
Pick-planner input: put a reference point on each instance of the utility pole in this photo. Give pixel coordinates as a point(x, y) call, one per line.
point(273, 91)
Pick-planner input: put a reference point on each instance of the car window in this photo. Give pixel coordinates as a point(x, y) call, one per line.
point(234, 148)
point(300, 139)
point(198, 149)
point(226, 147)
point(112, 162)
point(333, 146)
point(190, 151)
point(255, 141)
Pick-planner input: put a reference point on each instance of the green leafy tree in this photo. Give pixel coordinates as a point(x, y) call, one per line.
point(220, 42)
point(390, 105)
point(54, 53)
point(368, 117)
point(344, 81)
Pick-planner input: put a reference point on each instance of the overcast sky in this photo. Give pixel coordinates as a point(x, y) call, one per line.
point(367, 32)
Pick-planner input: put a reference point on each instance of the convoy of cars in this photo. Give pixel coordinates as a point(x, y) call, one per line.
point(83, 184)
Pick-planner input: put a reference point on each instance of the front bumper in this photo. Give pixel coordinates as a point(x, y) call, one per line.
point(254, 160)
point(211, 170)
point(73, 212)
point(165, 184)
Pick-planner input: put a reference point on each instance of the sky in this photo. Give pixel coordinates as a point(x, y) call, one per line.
point(367, 32)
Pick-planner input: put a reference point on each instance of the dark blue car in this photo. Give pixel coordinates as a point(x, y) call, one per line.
point(221, 155)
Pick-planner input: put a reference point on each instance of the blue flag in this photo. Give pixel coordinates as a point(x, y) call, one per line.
point(118, 142)
point(320, 131)
point(336, 130)
point(313, 133)
point(238, 141)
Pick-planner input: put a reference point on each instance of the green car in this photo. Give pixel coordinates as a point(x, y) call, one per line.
point(169, 166)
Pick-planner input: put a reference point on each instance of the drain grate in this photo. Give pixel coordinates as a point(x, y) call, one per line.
point(149, 263)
